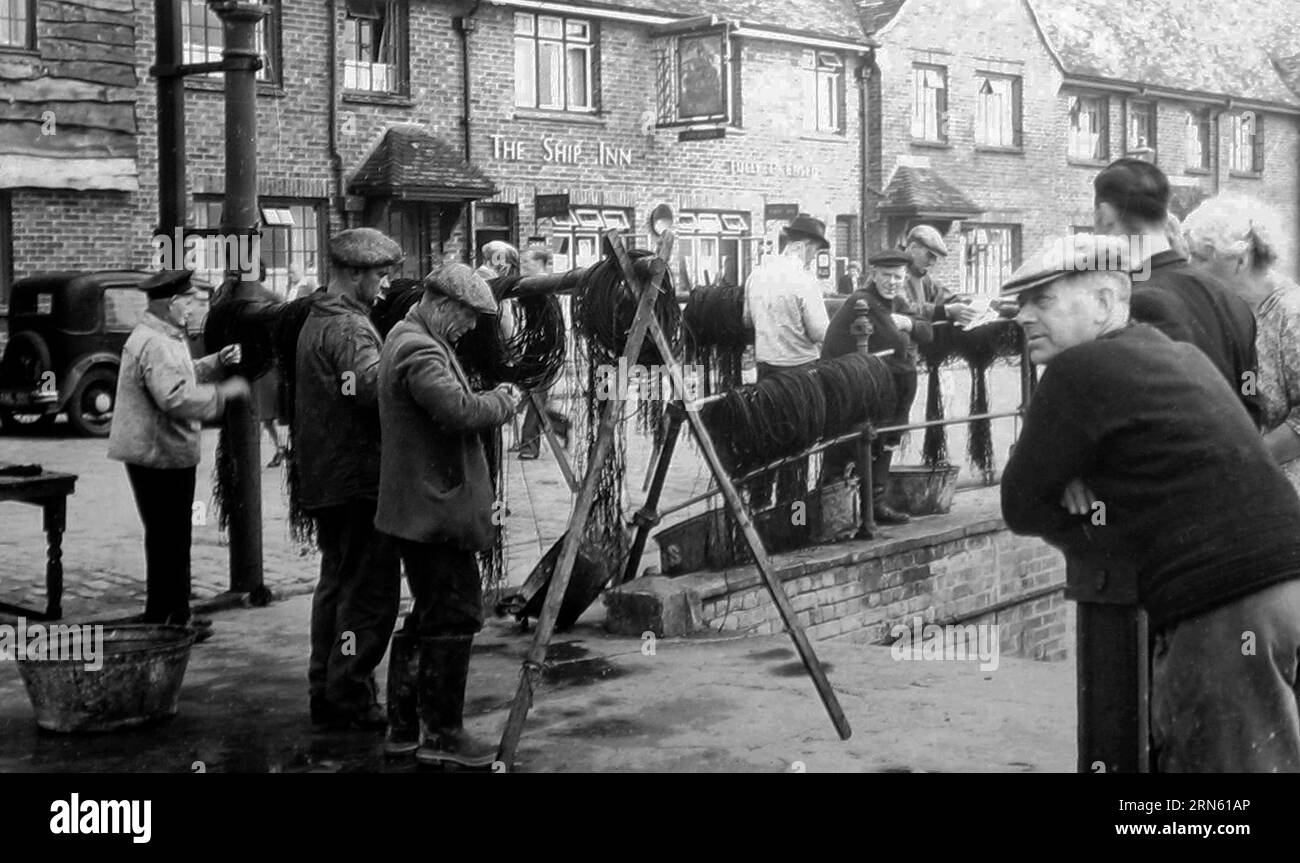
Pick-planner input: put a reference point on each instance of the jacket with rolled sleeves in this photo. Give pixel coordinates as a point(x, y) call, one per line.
point(336, 407)
point(434, 483)
point(162, 396)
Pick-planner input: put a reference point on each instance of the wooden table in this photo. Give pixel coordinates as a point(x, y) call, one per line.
point(49, 491)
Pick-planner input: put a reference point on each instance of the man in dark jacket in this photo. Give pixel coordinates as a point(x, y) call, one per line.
point(1135, 448)
point(336, 442)
point(1185, 303)
point(924, 246)
point(896, 326)
point(436, 500)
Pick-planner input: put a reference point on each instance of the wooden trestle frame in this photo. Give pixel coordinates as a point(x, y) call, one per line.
point(646, 325)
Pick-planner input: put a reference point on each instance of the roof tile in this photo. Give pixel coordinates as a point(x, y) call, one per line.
point(413, 163)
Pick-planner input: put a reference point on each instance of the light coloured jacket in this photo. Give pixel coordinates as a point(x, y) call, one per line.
point(162, 394)
point(786, 309)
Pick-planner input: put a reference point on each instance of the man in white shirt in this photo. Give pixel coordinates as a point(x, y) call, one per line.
point(785, 307)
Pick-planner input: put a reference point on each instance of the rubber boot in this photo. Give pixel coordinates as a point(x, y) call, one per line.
point(882, 512)
point(403, 706)
point(444, 669)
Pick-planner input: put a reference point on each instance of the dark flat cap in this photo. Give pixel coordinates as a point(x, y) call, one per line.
point(166, 284)
point(1065, 256)
point(464, 285)
point(890, 258)
point(364, 248)
point(928, 237)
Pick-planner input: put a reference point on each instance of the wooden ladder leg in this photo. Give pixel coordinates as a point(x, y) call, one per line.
point(647, 517)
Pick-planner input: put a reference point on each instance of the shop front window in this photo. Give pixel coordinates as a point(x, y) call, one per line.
point(575, 238)
point(715, 246)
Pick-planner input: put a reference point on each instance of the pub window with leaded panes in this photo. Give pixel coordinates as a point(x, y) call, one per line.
point(555, 63)
point(202, 37)
point(374, 46)
point(17, 23)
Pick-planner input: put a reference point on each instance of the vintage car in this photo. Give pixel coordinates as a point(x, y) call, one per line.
point(66, 332)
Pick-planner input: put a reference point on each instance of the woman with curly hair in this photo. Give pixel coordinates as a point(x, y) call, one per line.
point(1231, 238)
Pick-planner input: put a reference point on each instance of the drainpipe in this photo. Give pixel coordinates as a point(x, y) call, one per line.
point(466, 25)
point(336, 160)
point(864, 83)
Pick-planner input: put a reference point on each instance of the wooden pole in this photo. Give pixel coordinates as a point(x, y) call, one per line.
point(609, 419)
point(1112, 661)
point(646, 517)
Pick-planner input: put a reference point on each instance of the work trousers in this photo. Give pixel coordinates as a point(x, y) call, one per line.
point(165, 498)
point(1224, 695)
point(354, 607)
point(446, 587)
point(792, 478)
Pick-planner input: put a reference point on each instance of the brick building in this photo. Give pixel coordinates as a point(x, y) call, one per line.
point(732, 120)
point(990, 119)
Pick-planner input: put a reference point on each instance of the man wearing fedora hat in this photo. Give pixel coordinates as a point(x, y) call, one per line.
point(162, 395)
point(895, 326)
point(785, 307)
point(334, 461)
point(436, 500)
point(1135, 451)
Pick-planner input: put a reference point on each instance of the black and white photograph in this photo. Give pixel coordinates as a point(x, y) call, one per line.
point(652, 386)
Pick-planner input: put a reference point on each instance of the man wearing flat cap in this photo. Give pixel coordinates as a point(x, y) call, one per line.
point(785, 307)
point(1137, 456)
point(895, 326)
point(335, 464)
point(162, 395)
point(436, 501)
point(924, 246)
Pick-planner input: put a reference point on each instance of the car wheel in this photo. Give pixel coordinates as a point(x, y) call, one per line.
point(90, 408)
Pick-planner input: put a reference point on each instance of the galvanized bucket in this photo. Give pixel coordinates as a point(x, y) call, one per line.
point(139, 681)
point(922, 490)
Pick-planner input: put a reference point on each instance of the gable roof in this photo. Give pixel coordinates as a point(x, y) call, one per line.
point(1244, 49)
point(1200, 46)
point(831, 19)
point(925, 192)
point(412, 164)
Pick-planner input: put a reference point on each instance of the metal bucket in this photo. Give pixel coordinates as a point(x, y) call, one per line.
point(140, 680)
point(839, 511)
point(922, 490)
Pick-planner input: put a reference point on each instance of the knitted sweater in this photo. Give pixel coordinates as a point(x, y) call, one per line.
point(1190, 496)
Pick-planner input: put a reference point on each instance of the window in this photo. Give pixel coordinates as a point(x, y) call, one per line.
point(291, 236)
point(822, 73)
point(715, 246)
point(202, 38)
point(930, 103)
point(374, 46)
point(997, 111)
point(123, 308)
point(1198, 139)
point(990, 254)
point(1140, 127)
point(1247, 154)
point(1089, 128)
point(555, 63)
point(17, 23)
point(575, 238)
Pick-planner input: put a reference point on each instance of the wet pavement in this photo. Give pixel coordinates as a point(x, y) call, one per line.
point(607, 704)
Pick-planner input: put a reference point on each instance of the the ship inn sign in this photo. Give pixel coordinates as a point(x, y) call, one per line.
point(555, 150)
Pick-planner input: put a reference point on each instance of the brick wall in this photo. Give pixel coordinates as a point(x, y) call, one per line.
point(1040, 189)
point(950, 576)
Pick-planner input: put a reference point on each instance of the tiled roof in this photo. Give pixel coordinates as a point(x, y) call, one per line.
point(1203, 46)
point(878, 13)
point(1289, 69)
point(411, 163)
point(836, 19)
point(924, 192)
